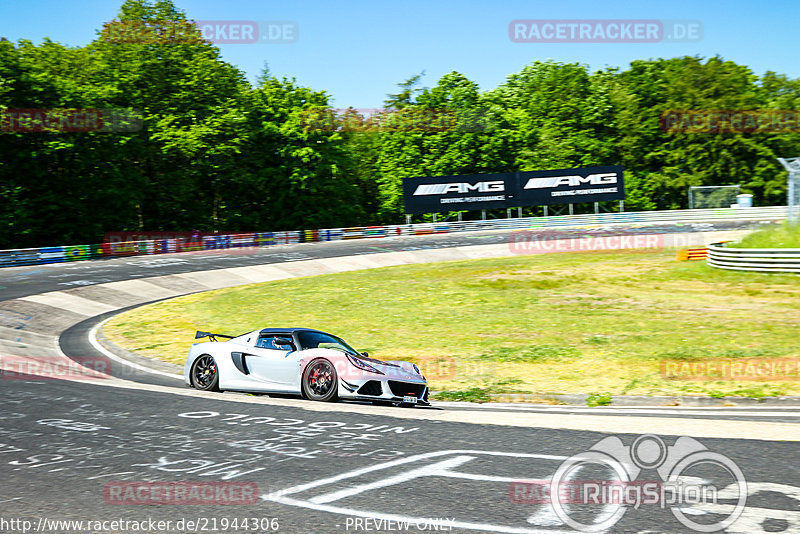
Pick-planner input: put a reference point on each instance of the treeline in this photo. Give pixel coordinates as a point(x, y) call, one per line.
point(215, 153)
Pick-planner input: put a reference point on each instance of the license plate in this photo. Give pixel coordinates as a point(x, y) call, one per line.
point(410, 399)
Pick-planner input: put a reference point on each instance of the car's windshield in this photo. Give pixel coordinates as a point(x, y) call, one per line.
point(314, 340)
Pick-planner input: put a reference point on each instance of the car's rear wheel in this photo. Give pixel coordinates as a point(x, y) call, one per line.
point(320, 382)
point(204, 374)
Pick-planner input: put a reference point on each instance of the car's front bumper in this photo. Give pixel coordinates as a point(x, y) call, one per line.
point(392, 390)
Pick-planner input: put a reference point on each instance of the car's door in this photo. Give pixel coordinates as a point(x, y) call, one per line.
point(271, 361)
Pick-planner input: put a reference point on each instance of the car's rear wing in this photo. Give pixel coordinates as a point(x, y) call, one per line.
point(213, 337)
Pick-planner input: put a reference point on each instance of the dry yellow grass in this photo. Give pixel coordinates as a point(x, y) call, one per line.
point(550, 323)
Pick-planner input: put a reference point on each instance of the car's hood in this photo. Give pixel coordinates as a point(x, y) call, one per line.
point(395, 369)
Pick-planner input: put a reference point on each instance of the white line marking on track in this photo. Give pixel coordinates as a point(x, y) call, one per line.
point(96, 344)
point(319, 503)
point(433, 470)
point(401, 461)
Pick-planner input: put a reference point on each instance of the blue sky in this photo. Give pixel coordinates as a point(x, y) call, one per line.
point(358, 50)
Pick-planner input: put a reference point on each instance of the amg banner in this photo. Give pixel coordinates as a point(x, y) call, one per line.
point(515, 189)
point(569, 186)
point(453, 193)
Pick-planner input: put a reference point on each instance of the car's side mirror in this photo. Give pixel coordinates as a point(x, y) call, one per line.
point(282, 341)
point(365, 354)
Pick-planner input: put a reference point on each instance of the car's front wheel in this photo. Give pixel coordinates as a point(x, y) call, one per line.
point(204, 374)
point(320, 382)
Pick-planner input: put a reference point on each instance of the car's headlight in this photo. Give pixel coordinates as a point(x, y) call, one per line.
point(364, 366)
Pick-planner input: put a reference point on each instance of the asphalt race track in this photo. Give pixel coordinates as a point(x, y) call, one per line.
point(17, 282)
point(122, 454)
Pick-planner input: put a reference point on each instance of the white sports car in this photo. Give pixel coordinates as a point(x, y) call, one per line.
point(302, 361)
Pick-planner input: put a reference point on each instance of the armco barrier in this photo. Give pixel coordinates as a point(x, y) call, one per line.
point(768, 260)
point(36, 256)
point(375, 231)
point(356, 232)
point(51, 255)
point(288, 238)
point(22, 256)
point(335, 234)
point(263, 239)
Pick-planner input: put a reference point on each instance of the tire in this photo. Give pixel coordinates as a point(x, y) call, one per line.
point(205, 374)
point(320, 382)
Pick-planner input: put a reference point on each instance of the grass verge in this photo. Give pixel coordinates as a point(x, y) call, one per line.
point(548, 323)
point(783, 236)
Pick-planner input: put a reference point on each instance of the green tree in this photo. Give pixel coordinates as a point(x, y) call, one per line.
point(406, 95)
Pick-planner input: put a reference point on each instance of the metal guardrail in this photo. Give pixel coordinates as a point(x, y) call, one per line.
point(630, 217)
point(37, 256)
point(774, 260)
